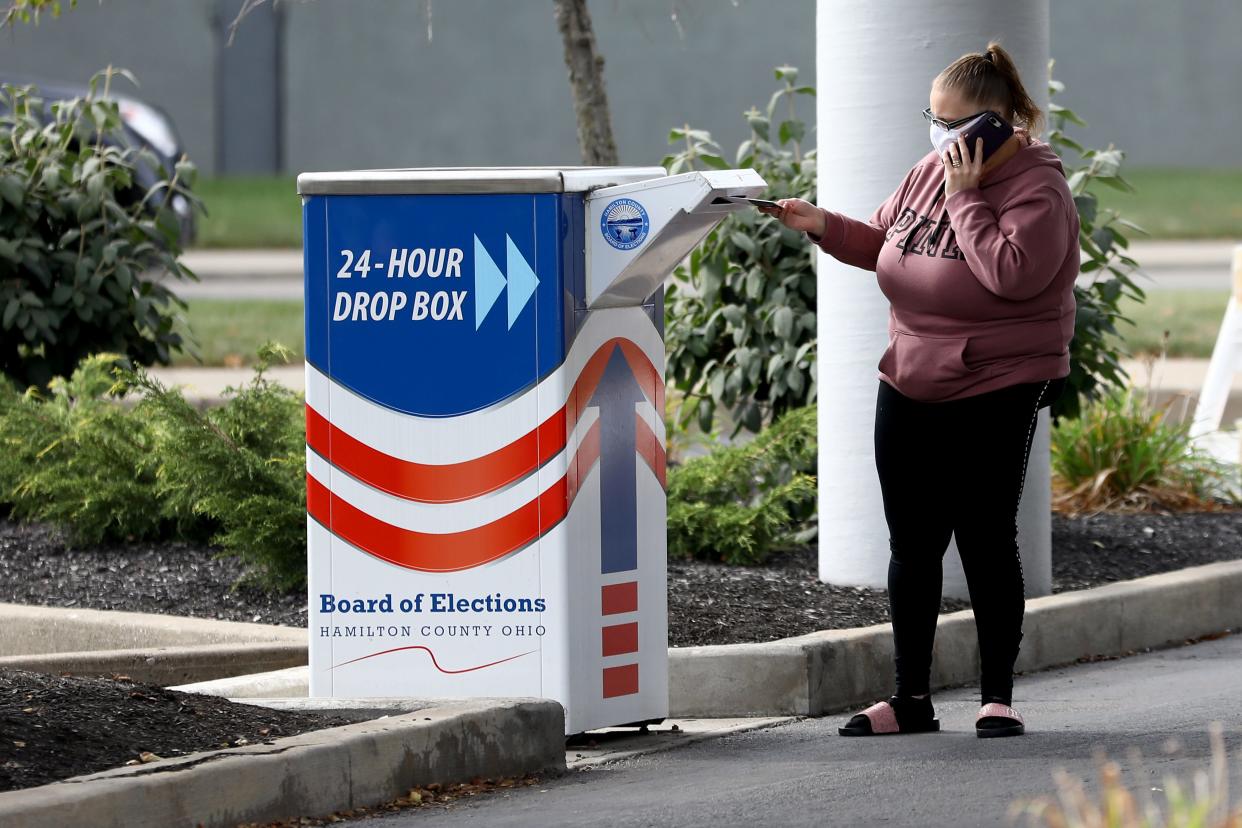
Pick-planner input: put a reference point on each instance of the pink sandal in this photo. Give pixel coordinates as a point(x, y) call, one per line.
point(885, 717)
point(996, 719)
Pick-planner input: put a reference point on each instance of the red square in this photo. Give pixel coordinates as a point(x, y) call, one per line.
point(615, 598)
point(620, 681)
point(620, 638)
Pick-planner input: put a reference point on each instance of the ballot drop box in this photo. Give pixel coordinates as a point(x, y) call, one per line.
point(485, 462)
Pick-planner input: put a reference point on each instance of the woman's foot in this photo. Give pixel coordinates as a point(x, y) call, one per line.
point(900, 714)
point(998, 719)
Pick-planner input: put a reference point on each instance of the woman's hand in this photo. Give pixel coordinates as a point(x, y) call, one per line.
point(967, 173)
point(798, 214)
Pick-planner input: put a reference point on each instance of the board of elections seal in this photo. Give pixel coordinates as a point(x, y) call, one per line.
point(624, 224)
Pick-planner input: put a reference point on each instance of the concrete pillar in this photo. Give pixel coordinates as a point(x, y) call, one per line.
point(875, 64)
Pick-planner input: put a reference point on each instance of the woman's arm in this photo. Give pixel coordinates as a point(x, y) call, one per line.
point(847, 239)
point(851, 241)
point(1016, 254)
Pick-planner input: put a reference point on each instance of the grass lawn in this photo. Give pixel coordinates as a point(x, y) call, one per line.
point(229, 331)
point(1181, 203)
point(1169, 204)
point(250, 212)
point(1192, 318)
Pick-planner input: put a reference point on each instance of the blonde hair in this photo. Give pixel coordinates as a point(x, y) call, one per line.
point(991, 78)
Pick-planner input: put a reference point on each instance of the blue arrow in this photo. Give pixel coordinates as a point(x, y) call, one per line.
point(522, 280)
point(615, 397)
point(488, 283)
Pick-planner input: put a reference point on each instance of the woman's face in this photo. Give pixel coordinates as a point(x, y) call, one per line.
point(948, 105)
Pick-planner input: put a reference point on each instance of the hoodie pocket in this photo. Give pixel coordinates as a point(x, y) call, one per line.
point(927, 367)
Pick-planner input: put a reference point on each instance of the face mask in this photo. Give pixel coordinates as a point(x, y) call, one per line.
point(942, 139)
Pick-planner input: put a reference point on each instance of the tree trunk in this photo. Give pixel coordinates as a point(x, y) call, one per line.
point(586, 80)
point(853, 313)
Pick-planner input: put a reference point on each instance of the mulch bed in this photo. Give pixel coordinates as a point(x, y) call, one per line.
point(54, 727)
point(708, 603)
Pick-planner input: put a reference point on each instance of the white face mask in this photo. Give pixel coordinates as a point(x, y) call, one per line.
point(942, 139)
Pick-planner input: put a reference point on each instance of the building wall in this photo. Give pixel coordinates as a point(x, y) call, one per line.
point(366, 87)
point(167, 44)
point(360, 84)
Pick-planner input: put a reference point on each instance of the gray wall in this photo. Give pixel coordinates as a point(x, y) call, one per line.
point(360, 84)
point(167, 44)
point(366, 88)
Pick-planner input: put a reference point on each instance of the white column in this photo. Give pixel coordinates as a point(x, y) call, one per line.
point(875, 64)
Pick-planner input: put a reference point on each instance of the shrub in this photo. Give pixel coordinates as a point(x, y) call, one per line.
point(1122, 454)
point(740, 503)
point(1095, 368)
point(80, 249)
point(741, 312)
point(115, 470)
point(240, 466)
point(74, 457)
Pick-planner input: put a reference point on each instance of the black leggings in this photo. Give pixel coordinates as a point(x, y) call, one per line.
point(956, 467)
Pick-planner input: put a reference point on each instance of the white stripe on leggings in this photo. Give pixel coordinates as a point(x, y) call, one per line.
point(1030, 434)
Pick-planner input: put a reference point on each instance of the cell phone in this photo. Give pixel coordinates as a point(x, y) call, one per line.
point(992, 128)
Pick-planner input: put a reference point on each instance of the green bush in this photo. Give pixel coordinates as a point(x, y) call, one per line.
point(241, 467)
point(154, 466)
point(1122, 454)
point(742, 502)
point(74, 457)
point(741, 313)
point(1095, 366)
point(81, 248)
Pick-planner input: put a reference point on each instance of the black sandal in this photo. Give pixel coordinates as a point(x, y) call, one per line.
point(996, 719)
point(900, 714)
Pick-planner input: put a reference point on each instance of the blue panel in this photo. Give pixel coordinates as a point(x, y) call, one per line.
point(415, 342)
point(315, 276)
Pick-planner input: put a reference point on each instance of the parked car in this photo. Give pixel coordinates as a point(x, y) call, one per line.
point(146, 125)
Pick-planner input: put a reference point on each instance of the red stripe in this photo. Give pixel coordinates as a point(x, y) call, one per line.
point(434, 483)
point(651, 449)
point(433, 659)
point(453, 482)
point(616, 598)
point(619, 638)
point(452, 551)
point(584, 459)
point(620, 681)
point(449, 552)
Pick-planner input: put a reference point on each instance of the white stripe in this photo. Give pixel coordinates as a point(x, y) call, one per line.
point(445, 518)
point(445, 440)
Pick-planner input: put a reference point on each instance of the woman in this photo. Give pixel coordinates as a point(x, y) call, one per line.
point(978, 260)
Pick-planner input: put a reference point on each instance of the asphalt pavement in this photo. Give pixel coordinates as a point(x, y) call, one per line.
point(803, 773)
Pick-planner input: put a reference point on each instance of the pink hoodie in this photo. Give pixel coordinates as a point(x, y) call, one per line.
point(981, 290)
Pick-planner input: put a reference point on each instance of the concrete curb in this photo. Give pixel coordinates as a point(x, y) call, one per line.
point(827, 671)
point(31, 630)
point(315, 773)
point(293, 682)
point(166, 665)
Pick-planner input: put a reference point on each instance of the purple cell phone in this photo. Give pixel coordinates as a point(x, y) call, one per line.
point(992, 128)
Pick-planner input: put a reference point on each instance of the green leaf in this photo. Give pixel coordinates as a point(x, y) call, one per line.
point(782, 322)
point(12, 189)
point(792, 131)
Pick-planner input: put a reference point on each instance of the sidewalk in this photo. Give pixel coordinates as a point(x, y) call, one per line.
point(277, 274)
point(1171, 377)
